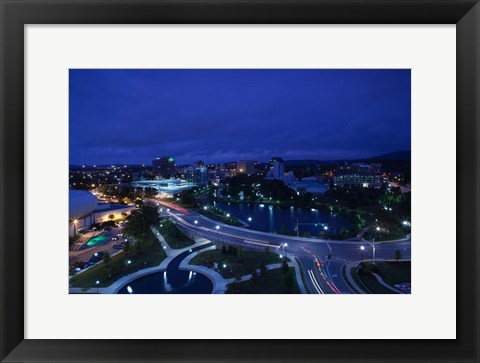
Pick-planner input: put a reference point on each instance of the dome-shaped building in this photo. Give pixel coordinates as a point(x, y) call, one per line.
point(80, 211)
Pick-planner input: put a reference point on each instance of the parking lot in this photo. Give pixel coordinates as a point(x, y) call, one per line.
point(115, 238)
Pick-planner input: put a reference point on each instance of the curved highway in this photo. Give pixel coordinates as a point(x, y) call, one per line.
point(321, 260)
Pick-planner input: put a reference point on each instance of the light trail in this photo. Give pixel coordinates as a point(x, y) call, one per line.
point(314, 282)
point(327, 279)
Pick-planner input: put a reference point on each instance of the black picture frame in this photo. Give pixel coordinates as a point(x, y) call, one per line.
point(16, 13)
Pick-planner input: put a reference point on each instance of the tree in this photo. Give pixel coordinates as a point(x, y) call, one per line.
point(398, 255)
point(224, 249)
point(187, 198)
point(126, 247)
point(139, 221)
point(138, 246)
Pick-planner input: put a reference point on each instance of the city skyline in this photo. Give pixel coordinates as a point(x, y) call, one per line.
point(230, 115)
point(266, 161)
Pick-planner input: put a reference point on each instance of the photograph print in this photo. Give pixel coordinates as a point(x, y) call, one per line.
point(239, 181)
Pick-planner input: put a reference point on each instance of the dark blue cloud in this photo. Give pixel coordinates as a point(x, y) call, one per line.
point(133, 116)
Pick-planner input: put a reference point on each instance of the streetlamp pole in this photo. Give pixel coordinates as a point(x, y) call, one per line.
point(334, 222)
point(362, 248)
point(373, 245)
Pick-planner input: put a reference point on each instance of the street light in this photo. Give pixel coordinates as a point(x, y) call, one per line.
point(249, 219)
point(362, 248)
point(196, 222)
point(97, 283)
point(285, 245)
point(373, 248)
point(75, 221)
point(217, 228)
point(228, 215)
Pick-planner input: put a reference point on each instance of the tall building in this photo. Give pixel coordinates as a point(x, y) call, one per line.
point(277, 168)
point(164, 167)
point(289, 178)
point(359, 174)
point(197, 174)
point(245, 167)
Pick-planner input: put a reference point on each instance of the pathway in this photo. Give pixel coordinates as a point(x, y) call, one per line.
point(171, 254)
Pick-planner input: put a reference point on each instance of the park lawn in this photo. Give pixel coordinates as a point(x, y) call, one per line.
point(393, 272)
point(272, 283)
point(242, 264)
point(224, 219)
point(152, 255)
point(360, 284)
point(174, 237)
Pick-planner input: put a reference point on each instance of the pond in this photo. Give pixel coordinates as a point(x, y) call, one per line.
point(170, 281)
point(269, 218)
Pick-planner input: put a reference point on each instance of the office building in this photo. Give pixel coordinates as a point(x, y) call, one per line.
point(358, 174)
point(163, 168)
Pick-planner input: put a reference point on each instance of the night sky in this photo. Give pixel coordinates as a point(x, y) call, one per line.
point(134, 116)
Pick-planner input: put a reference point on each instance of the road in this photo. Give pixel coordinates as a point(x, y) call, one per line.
point(321, 260)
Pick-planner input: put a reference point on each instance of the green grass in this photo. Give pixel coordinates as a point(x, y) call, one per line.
point(373, 285)
point(174, 237)
point(151, 255)
point(242, 264)
point(393, 272)
point(272, 283)
point(361, 285)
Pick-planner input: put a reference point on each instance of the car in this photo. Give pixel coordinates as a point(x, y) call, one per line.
point(118, 247)
point(114, 238)
point(82, 264)
point(97, 256)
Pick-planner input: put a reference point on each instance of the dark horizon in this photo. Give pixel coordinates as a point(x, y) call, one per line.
point(149, 163)
point(134, 116)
